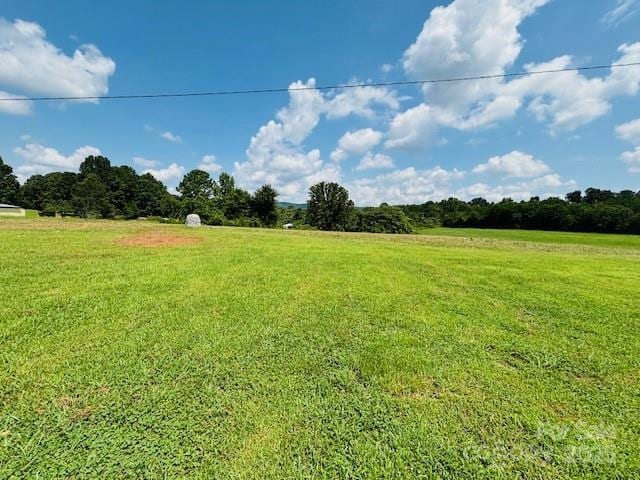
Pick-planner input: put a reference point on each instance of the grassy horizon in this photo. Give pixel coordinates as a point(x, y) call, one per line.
point(132, 349)
point(540, 236)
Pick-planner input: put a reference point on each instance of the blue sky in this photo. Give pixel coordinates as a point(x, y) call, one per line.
point(543, 135)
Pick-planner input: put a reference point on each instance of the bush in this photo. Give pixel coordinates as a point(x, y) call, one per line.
point(216, 219)
point(382, 219)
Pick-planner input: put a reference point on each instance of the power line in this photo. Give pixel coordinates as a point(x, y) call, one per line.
point(321, 87)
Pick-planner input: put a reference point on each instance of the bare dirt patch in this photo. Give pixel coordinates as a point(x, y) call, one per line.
point(153, 239)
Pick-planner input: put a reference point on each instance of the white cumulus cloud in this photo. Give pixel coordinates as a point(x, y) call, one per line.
point(409, 185)
point(633, 159)
point(473, 38)
point(513, 164)
point(361, 101)
point(569, 100)
point(372, 161)
point(551, 185)
point(29, 63)
point(145, 162)
point(171, 137)
point(630, 132)
point(208, 164)
point(167, 174)
point(359, 141)
point(15, 104)
point(338, 155)
point(39, 159)
point(277, 154)
point(467, 38)
point(414, 128)
point(415, 186)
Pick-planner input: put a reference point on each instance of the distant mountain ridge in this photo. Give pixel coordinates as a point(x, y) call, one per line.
point(302, 206)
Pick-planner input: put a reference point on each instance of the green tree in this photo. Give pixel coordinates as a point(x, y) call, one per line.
point(32, 192)
point(9, 185)
point(574, 197)
point(49, 193)
point(197, 189)
point(329, 206)
point(123, 192)
point(91, 197)
point(58, 192)
point(479, 201)
point(151, 196)
point(612, 218)
point(263, 204)
point(226, 185)
point(99, 166)
point(595, 195)
point(196, 184)
point(235, 204)
point(232, 202)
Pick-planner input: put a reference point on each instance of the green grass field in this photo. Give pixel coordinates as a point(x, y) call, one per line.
point(138, 350)
point(594, 239)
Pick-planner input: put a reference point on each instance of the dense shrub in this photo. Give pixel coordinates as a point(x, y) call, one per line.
point(382, 219)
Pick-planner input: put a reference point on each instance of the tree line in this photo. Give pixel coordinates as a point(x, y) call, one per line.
point(102, 190)
point(593, 210)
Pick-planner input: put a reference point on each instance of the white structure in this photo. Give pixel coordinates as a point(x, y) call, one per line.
point(11, 210)
point(193, 220)
point(288, 226)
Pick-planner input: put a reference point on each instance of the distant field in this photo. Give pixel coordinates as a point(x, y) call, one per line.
point(138, 350)
point(596, 239)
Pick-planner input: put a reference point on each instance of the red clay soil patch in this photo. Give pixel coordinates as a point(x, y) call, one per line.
point(157, 240)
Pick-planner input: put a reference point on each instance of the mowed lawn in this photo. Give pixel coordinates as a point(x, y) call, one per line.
point(138, 350)
point(594, 239)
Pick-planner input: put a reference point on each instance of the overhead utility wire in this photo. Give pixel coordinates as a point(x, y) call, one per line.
point(321, 87)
